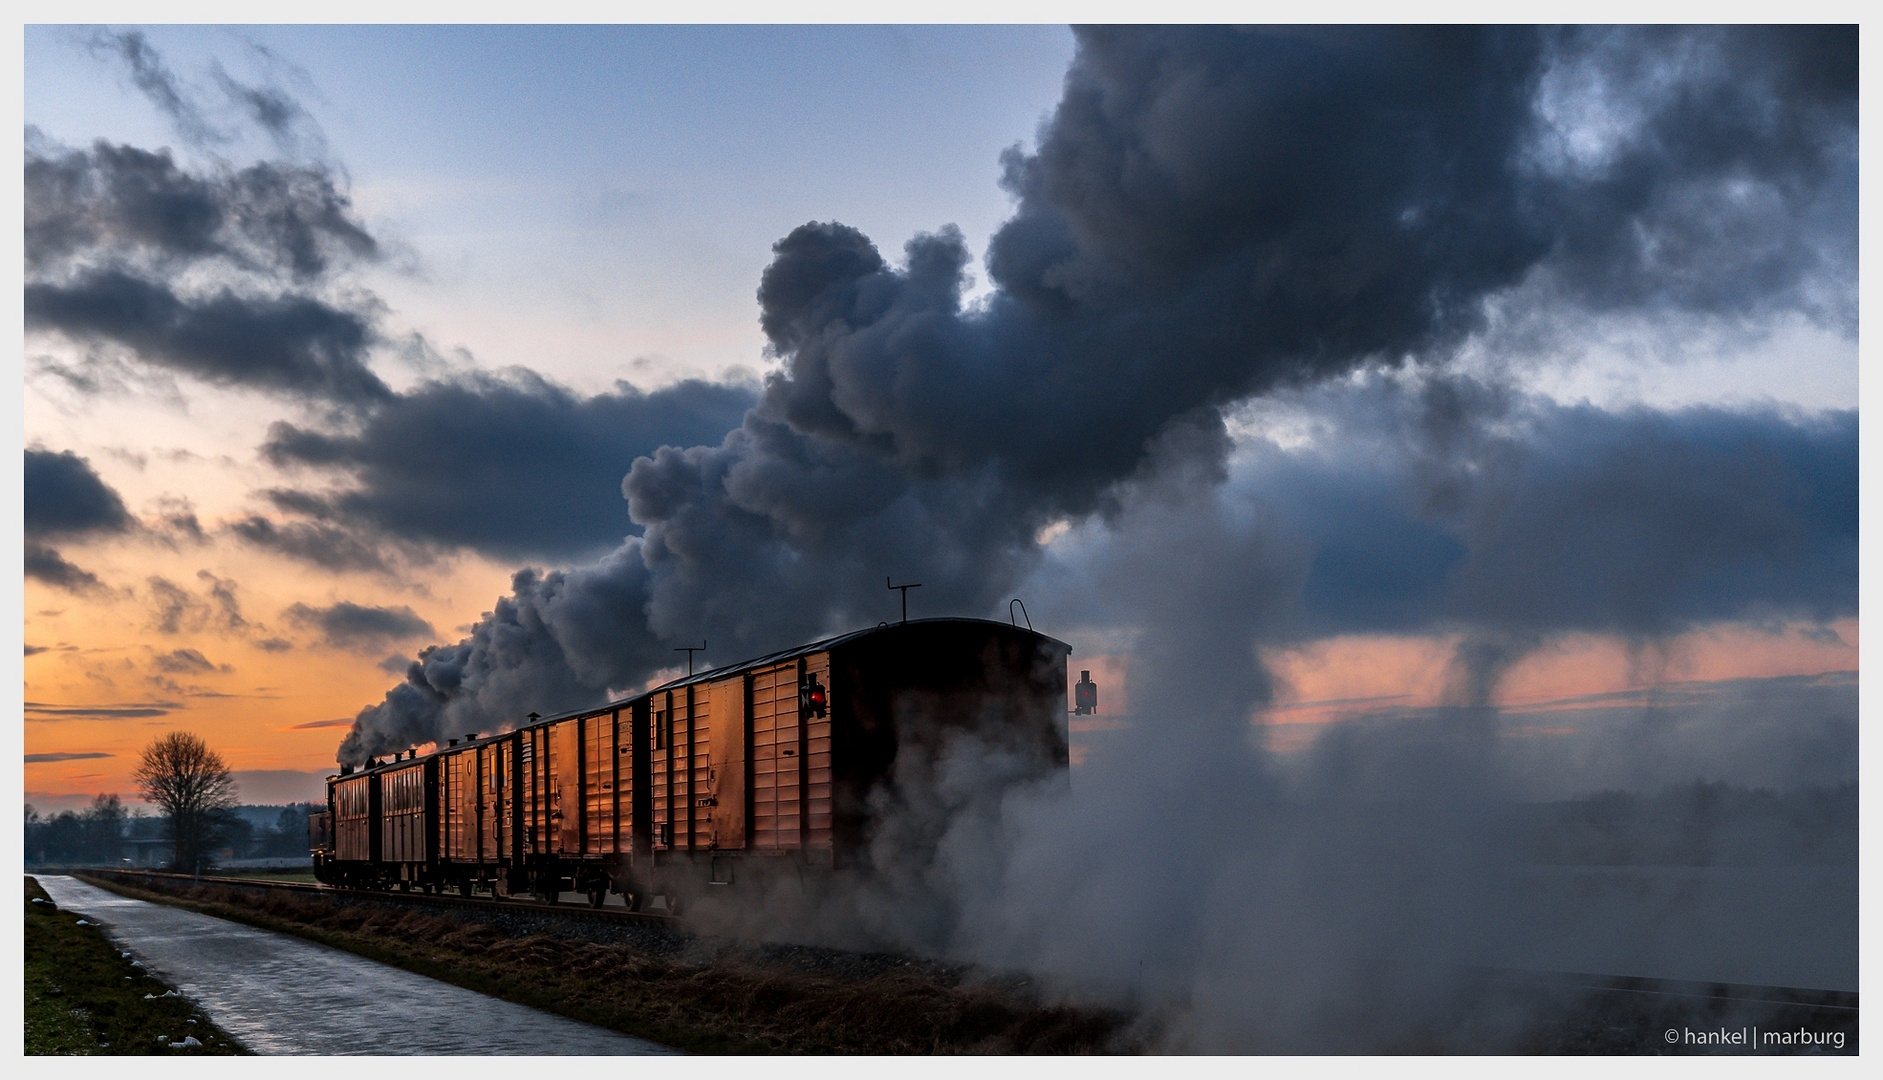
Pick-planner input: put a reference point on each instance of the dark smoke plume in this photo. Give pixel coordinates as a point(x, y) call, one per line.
point(1216, 221)
point(557, 642)
point(1210, 215)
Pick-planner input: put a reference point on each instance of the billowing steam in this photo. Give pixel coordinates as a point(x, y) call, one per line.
point(1218, 226)
point(1209, 215)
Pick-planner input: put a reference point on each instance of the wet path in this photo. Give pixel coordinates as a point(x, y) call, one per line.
point(281, 995)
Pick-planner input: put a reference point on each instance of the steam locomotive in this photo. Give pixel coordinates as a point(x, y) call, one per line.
point(784, 763)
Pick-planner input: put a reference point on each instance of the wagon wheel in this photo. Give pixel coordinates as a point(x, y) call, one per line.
point(597, 895)
point(633, 900)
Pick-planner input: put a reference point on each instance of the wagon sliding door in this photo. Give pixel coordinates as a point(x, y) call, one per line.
point(726, 775)
point(565, 787)
point(776, 802)
point(598, 783)
point(493, 807)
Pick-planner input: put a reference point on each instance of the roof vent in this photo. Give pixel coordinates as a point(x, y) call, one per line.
point(454, 742)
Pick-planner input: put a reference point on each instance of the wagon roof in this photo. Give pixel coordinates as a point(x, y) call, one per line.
point(805, 650)
point(709, 675)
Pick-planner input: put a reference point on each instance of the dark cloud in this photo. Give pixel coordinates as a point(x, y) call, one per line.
point(312, 724)
point(274, 645)
point(176, 610)
point(286, 343)
point(1638, 522)
point(177, 521)
point(35, 650)
point(322, 544)
point(41, 711)
point(1547, 520)
point(274, 110)
point(224, 274)
point(158, 83)
point(514, 466)
point(46, 565)
point(1647, 523)
point(347, 625)
point(222, 594)
point(64, 497)
point(32, 759)
point(187, 662)
point(121, 203)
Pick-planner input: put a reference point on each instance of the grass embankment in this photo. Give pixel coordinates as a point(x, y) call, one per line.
point(726, 1006)
point(84, 997)
point(304, 876)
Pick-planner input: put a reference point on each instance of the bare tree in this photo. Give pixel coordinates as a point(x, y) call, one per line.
point(191, 785)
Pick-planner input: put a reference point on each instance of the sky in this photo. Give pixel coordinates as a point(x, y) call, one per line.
point(385, 384)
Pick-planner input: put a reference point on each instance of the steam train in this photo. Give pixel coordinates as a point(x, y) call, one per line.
point(781, 764)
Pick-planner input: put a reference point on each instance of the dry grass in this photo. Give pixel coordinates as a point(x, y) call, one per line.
point(727, 1006)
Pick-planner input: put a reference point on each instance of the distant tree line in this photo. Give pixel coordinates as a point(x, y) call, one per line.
point(199, 820)
point(101, 834)
point(95, 835)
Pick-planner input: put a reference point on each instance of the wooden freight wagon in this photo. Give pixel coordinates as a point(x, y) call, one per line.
point(407, 806)
point(782, 762)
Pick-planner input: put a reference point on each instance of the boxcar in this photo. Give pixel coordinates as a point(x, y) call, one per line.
point(779, 762)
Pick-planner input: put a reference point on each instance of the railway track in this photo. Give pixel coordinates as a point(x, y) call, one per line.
point(413, 899)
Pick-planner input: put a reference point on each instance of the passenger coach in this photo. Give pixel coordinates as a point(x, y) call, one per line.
point(712, 779)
